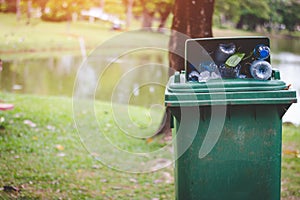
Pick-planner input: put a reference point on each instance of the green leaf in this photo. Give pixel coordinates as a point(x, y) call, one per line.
point(234, 60)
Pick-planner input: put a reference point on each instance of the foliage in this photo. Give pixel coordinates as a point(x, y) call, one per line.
point(250, 14)
point(115, 7)
point(151, 6)
point(227, 10)
point(235, 59)
point(253, 13)
point(62, 10)
point(291, 15)
point(8, 6)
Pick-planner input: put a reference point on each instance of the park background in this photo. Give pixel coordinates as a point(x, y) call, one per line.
point(44, 43)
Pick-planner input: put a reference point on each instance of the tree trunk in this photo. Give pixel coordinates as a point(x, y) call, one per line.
point(29, 8)
point(240, 23)
point(192, 19)
point(147, 17)
point(18, 9)
point(147, 20)
point(129, 13)
point(164, 11)
point(102, 4)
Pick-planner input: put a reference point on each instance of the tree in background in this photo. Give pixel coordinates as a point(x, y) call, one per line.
point(226, 11)
point(18, 9)
point(253, 14)
point(192, 19)
point(58, 10)
point(149, 11)
point(164, 9)
point(28, 4)
point(291, 14)
point(128, 4)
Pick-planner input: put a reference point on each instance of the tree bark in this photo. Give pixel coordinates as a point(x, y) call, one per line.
point(129, 13)
point(164, 10)
point(147, 17)
point(102, 4)
point(29, 8)
point(147, 20)
point(192, 19)
point(18, 9)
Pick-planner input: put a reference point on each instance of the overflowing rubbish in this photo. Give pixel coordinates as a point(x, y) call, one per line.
point(229, 58)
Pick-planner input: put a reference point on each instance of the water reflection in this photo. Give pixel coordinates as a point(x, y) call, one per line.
point(135, 81)
point(289, 66)
point(51, 76)
point(136, 78)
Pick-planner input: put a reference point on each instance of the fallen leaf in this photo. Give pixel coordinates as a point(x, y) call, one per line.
point(34, 138)
point(51, 128)
point(29, 123)
point(103, 180)
point(94, 154)
point(17, 115)
point(96, 167)
point(157, 181)
point(149, 140)
point(61, 154)
point(168, 177)
point(59, 147)
point(295, 153)
point(117, 188)
point(8, 188)
point(133, 180)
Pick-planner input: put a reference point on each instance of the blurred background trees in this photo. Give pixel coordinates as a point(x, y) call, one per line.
point(251, 15)
point(268, 15)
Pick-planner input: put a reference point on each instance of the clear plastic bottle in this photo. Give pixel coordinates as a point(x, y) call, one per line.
point(224, 51)
point(182, 76)
point(261, 70)
point(261, 52)
point(194, 76)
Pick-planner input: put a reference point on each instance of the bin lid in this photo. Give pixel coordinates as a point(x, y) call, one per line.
point(228, 92)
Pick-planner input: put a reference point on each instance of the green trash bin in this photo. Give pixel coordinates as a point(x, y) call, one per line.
point(228, 137)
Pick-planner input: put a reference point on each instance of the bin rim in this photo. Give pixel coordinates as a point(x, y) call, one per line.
point(228, 92)
point(225, 85)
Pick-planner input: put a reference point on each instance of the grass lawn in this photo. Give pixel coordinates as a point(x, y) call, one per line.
point(42, 157)
point(42, 39)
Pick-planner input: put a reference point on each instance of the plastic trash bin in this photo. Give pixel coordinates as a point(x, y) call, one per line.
point(227, 138)
point(241, 148)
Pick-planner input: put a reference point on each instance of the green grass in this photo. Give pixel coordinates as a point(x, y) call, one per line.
point(48, 160)
point(291, 162)
point(43, 39)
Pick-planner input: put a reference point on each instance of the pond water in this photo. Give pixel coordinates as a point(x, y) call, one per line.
point(137, 78)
